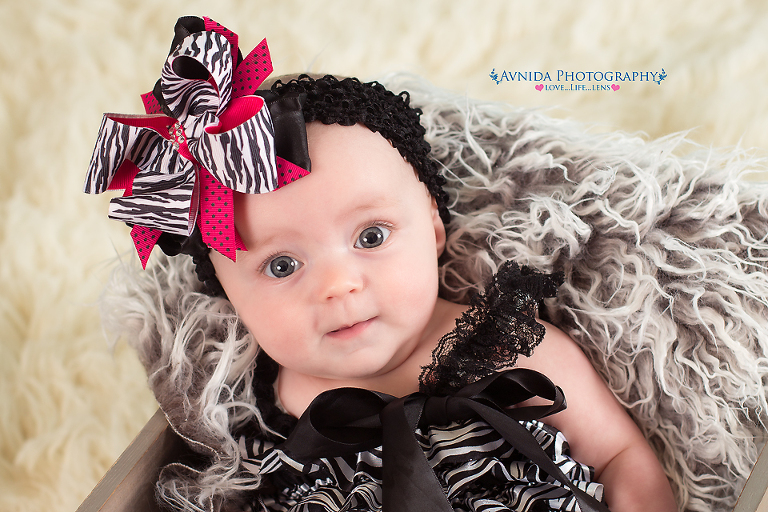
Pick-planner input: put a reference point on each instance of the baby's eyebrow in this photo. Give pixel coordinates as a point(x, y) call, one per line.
point(373, 205)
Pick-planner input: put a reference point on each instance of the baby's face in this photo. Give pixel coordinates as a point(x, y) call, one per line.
point(340, 278)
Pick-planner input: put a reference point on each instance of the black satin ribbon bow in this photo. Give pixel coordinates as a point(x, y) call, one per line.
point(350, 420)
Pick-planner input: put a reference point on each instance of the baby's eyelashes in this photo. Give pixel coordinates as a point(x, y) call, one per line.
point(281, 266)
point(372, 237)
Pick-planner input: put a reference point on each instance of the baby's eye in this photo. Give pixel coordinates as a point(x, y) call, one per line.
point(282, 266)
point(372, 237)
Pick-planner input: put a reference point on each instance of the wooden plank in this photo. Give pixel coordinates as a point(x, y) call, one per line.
point(129, 485)
point(754, 497)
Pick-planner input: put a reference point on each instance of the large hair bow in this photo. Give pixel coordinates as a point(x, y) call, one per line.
point(180, 170)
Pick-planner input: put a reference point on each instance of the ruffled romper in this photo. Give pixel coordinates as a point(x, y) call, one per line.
point(459, 444)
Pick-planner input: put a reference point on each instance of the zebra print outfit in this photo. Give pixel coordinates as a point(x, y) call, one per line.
point(476, 467)
point(479, 471)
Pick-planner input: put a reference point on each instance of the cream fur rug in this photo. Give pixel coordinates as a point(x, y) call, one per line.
point(68, 404)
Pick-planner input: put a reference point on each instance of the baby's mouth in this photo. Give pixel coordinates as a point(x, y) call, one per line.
point(350, 330)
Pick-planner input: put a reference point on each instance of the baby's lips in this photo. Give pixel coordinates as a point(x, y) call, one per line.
point(354, 326)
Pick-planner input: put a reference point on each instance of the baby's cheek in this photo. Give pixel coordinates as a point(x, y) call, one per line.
point(278, 332)
point(415, 293)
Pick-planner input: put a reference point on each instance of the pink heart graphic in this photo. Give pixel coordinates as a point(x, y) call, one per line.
point(615, 87)
point(539, 87)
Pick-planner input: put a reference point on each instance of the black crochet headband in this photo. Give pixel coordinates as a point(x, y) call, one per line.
point(348, 101)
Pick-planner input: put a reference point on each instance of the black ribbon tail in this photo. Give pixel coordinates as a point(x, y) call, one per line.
point(409, 483)
point(525, 443)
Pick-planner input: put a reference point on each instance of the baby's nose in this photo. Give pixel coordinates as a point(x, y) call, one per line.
point(340, 276)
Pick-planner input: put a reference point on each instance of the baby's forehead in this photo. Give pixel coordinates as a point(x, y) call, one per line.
point(354, 171)
point(370, 156)
point(355, 154)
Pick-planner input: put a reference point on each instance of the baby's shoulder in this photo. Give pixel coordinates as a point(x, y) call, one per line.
point(555, 354)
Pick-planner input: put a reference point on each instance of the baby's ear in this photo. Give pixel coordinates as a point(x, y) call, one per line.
point(439, 228)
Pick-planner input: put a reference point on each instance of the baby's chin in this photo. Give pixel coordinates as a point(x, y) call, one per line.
point(395, 377)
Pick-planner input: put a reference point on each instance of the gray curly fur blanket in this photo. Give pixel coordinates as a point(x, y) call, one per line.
point(664, 251)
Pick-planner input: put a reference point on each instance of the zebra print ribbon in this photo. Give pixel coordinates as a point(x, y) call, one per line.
point(350, 420)
point(181, 170)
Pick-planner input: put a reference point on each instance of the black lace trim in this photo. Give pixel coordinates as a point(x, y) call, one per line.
point(499, 324)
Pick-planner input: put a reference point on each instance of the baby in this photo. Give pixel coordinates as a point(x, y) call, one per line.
point(332, 264)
